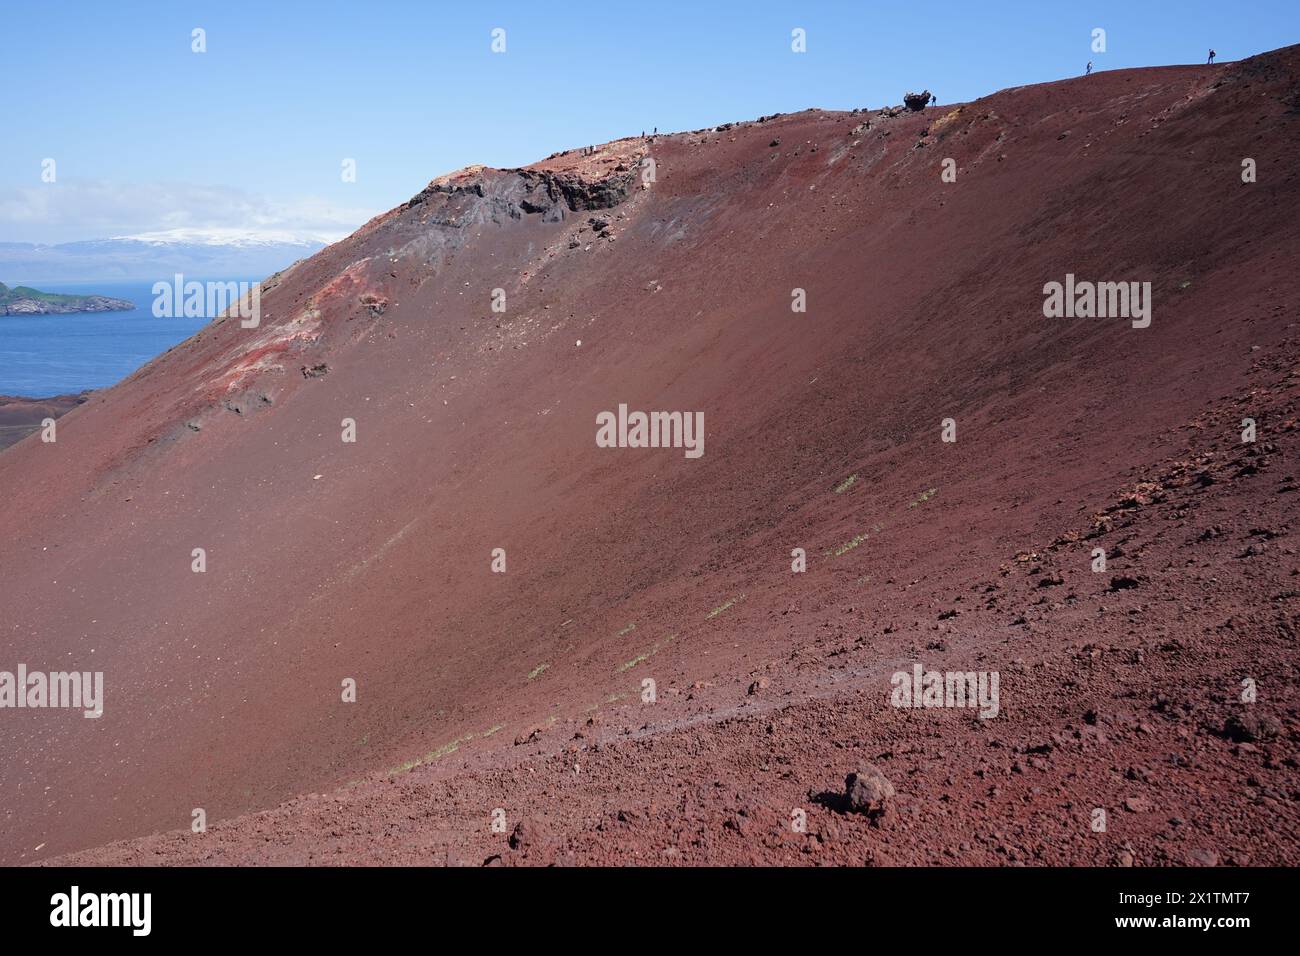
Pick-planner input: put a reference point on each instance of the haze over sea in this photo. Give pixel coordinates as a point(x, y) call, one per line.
point(45, 355)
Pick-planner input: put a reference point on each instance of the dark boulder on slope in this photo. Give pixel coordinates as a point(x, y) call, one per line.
point(917, 101)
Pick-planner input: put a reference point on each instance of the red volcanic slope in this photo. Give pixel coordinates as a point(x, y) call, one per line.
point(476, 431)
point(19, 417)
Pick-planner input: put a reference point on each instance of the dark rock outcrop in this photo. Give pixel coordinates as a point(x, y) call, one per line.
point(917, 101)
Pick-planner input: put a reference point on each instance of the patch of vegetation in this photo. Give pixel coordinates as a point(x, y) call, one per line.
point(846, 484)
point(445, 749)
point(640, 658)
point(433, 755)
point(848, 546)
point(718, 610)
point(925, 496)
point(537, 671)
point(627, 665)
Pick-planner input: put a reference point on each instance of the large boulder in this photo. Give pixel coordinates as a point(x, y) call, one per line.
point(917, 101)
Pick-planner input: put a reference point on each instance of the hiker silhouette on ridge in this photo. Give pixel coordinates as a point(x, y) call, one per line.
point(1088, 71)
point(1211, 59)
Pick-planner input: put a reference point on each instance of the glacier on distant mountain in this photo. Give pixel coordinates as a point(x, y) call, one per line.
point(157, 255)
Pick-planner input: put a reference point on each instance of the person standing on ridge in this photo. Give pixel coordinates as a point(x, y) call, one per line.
point(1211, 59)
point(1088, 71)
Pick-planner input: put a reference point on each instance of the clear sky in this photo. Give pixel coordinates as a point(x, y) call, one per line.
point(148, 135)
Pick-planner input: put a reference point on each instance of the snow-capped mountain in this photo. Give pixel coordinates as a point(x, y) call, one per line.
point(236, 238)
point(154, 255)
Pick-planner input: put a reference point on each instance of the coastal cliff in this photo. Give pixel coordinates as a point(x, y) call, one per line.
point(23, 300)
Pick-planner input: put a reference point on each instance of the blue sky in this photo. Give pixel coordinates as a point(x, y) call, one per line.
point(148, 135)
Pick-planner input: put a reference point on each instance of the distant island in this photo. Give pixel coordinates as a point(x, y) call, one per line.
point(23, 300)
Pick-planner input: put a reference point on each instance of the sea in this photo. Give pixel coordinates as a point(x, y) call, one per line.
point(45, 355)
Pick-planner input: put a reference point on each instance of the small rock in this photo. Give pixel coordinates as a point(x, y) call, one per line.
point(868, 791)
point(525, 836)
point(528, 736)
point(1137, 804)
point(1245, 728)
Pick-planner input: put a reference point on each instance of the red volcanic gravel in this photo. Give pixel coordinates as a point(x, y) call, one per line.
point(648, 681)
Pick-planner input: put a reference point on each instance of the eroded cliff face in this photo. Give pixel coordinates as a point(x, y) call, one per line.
point(516, 193)
point(471, 337)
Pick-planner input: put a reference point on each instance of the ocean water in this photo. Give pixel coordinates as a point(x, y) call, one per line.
point(44, 355)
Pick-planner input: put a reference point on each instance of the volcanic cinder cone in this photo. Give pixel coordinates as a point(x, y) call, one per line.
point(371, 561)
